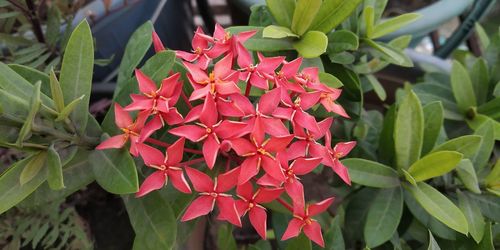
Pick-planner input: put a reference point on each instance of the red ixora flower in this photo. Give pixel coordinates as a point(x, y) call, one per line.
point(247, 147)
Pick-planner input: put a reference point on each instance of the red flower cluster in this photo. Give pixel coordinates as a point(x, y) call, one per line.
point(265, 141)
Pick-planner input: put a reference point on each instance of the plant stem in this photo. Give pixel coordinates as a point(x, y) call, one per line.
point(186, 100)
point(35, 22)
point(285, 204)
point(247, 89)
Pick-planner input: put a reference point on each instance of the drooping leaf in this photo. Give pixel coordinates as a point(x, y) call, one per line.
point(390, 25)
point(467, 174)
point(473, 214)
point(303, 15)
point(282, 11)
point(274, 31)
point(467, 145)
point(76, 72)
point(34, 107)
point(55, 172)
point(332, 13)
point(408, 131)
point(115, 171)
point(383, 217)
point(438, 206)
point(312, 44)
point(372, 174)
point(433, 121)
point(462, 87)
point(434, 164)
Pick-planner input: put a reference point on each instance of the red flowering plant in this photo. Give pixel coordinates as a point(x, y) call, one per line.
point(256, 147)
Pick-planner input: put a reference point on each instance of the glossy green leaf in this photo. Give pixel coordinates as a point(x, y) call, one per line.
point(480, 78)
point(390, 53)
point(55, 172)
point(493, 178)
point(487, 132)
point(334, 240)
point(408, 131)
point(274, 31)
point(12, 190)
point(304, 14)
point(56, 91)
point(312, 44)
point(115, 171)
point(439, 206)
point(491, 108)
point(487, 243)
point(76, 72)
point(332, 13)
point(409, 177)
point(433, 245)
point(66, 111)
point(32, 168)
point(434, 164)
point(300, 242)
point(390, 25)
point(377, 87)
point(225, 238)
point(261, 44)
point(480, 119)
point(489, 205)
point(467, 174)
point(473, 214)
point(467, 145)
point(342, 40)
point(136, 49)
point(386, 141)
point(34, 107)
point(32, 75)
point(433, 121)
point(370, 173)
point(282, 11)
point(153, 220)
point(383, 217)
point(369, 18)
point(330, 80)
point(462, 87)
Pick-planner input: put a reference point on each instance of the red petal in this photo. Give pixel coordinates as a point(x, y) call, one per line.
point(178, 181)
point(227, 88)
point(200, 93)
point(199, 207)
point(150, 155)
point(307, 100)
point(296, 149)
point(186, 56)
point(191, 132)
point(153, 182)
point(323, 127)
point(210, 150)
point(313, 232)
point(245, 35)
point(242, 146)
point(146, 85)
point(283, 113)
point(139, 102)
point(244, 57)
point(269, 64)
point(229, 129)
point(228, 210)
point(243, 103)
point(245, 190)
point(248, 169)
point(267, 180)
point(293, 229)
point(341, 171)
point(320, 207)
point(173, 117)
point(201, 182)
point(343, 148)
point(169, 85)
point(209, 113)
point(269, 101)
point(158, 45)
point(198, 41)
point(258, 218)
point(203, 61)
point(266, 195)
point(150, 128)
point(307, 121)
point(223, 67)
point(295, 190)
point(241, 207)
point(193, 114)
point(278, 143)
point(122, 117)
point(227, 180)
point(302, 166)
point(290, 68)
point(116, 141)
point(197, 74)
point(272, 168)
point(219, 32)
point(258, 81)
point(175, 151)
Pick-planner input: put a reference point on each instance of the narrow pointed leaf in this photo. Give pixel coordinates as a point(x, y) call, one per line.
point(435, 164)
point(32, 168)
point(493, 178)
point(303, 15)
point(433, 245)
point(473, 214)
point(369, 17)
point(56, 91)
point(66, 111)
point(372, 174)
point(462, 87)
point(480, 78)
point(467, 174)
point(466, 145)
point(282, 11)
point(433, 121)
point(115, 171)
point(393, 24)
point(332, 13)
point(35, 104)
point(55, 172)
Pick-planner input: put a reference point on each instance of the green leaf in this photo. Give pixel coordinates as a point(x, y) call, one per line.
point(32, 75)
point(330, 80)
point(390, 53)
point(467, 174)
point(54, 165)
point(493, 178)
point(386, 140)
point(487, 132)
point(473, 214)
point(12, 190)
point(434, 164)
point(34, 106)
point(370, 173)
point(115, 171)
point(56, 91)
point(17, 85)
point(487, 241)
point(489, 205)
point(303, 15)
point(66, 111)
point(369, 18)
point(274, 31)
point(408, 131)
point(76, 72)
point(409, 177)
point(312, 44)
point(225, 239)
point(136, 49)
point(53, 25)
point(282, 11)
point(480, 119)
point(377, 87)
point(480, 78)
point(260, 16)
point(334, 240)
point(433, 121)
point(261, 44)
point(467, 145)
point(332, 13)
point(433, 245)
point(462, 87)
point(153, 220)
point(383, 217)
point(300, 242)
point(342, 40)
point(491, 108)
point(32, 168)
point(390, 25)
point(439, 206)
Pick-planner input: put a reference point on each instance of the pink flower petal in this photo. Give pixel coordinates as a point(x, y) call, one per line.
point(227, 180)
point(295, 190)
point(191, 132)
point(343, 148)
point(116, 141)
point(158, 45)
point(269, 101)
point(293, 229)
point(278, 144)
point(320, 207)
point(122, 117)
point(307, 100)
point(266, 195)
point(272, 168)
point(201, 182)
point(229, 129)
point(178, 181)
point(175, 151)
point(341, 171)
point(249, 169)
point(313, 232)
point(302, 166)
point(209, 113)
point(242, 146)
point(210, 150)
point(223, 67)
point(199, 207)
point(173, 117)
point(290, 68)
point(197, 74)
point(150, 155)
point(146, 85)
point(228, 210)
point(258, 219)
point(150, 128)
point(245, 190)
point(153, 182)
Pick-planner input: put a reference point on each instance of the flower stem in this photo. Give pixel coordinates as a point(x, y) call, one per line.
point(191, 162)
point(186, 100)
point(164, 144)
point(247, 89)
point(285, 204)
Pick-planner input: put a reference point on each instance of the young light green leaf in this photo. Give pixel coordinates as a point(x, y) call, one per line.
point(32, 168)
point(383, 216)
point(390, 53)
point(467, 145)
point(467, 174)
point(434, 164)
point(370, 173)
point(35, 104)
point(369, 17)
point(433, 121)
point(493, 178)
point(480, 78)
point(56, 91)
point(482, 35)
point(274, 31)
point(487, 132)
point(433, 245)
point(332, 13)
point(377, 87)
point(393, 24)
point(304, 14)
point(462, 87)
point(136, 48)
point(282, 11)
point(409, 177)
point(55, 173)
point(330, 80)
point(115, 171)
point(408, 131)
point(312, 44)
point(76, 72)
point(342, 40)
point(66, 111)
point(438, 206)
point(491, 108)
point(473, 214)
